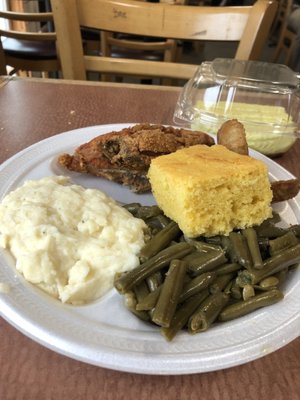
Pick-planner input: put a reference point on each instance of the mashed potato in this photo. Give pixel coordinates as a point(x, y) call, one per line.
point(68, 240)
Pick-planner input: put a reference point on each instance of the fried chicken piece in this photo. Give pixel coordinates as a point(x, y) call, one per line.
point(285, 190)
point(125, 156)
point(233, 136)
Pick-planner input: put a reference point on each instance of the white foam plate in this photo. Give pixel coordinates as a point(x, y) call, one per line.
point(104, 333)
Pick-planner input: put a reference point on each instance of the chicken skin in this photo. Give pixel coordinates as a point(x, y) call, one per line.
point(125, 156)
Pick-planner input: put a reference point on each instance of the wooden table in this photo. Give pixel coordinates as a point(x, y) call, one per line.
point(31, 110)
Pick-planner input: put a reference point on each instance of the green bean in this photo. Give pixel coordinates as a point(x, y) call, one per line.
point(131, 302)
point(196, 285)
point(158, 222)
point(253, 245)
point(244, 307)
point(248, 292)
point(147, 212)
point(203, 246)
point(160, 241)
point(169, 295)
point(240, 247)
point(227, 268)
point(221, 277)
point(207, 312)
point(149, 301)
point(282, 242)
point(141, 291)
point(295, 229)
point(162, 259)
point(132, 208)
point(199, 262)
point(228, 248)
point(267, 229)
point(162, 220)
point(236, 291)
point(264, 247)
point(228, 287)
point(269, 282)
point(182, 314)
point(154, 280)
point(221, 282)
point(274, 219)
point(217, 240)
point(272, 265)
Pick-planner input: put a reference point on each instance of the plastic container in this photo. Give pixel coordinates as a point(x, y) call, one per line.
point(264, 97)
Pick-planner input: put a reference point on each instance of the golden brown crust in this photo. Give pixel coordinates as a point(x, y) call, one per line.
point(125, 156)
point(232, 135)
point(285, 190)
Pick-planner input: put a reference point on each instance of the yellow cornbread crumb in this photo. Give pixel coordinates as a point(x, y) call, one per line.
point(211, 190)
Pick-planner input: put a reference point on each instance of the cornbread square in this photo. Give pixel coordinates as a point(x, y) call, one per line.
point(211, 190)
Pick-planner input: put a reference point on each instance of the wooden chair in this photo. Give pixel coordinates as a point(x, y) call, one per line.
point(286, 37)
point(28, 50)
point(249, 25)
point(138, 47)
point(285, 48)
point(119, 45)
point(279, 22)
point(128, 46)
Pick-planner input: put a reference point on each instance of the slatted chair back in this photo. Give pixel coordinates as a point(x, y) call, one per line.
point(28, 50)
point(248, 25)
point(286, 37)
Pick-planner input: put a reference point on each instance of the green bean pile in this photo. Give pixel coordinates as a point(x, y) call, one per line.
point(184, 283)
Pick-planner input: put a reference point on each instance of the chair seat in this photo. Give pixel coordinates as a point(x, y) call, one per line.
point(30, 50)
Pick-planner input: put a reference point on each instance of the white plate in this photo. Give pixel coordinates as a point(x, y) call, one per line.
point(105, 333)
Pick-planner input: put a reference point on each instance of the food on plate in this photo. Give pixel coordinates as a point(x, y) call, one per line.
point(232, 135)
point(253, 303)
point(125, 156)
point(269, 128)
point(192, 284)
point(211, 190)
point(67, 240)
point(285, 190)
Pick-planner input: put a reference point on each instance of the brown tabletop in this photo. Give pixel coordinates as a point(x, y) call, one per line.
point(32, 110)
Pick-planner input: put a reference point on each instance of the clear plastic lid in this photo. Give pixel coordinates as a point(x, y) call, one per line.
point(265, 97)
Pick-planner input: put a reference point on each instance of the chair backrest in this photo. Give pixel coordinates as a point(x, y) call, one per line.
point(284, 8)
point(3, 70)
point(40, 44)
point(249, 25)
point(286, 37)
point(112, 40)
